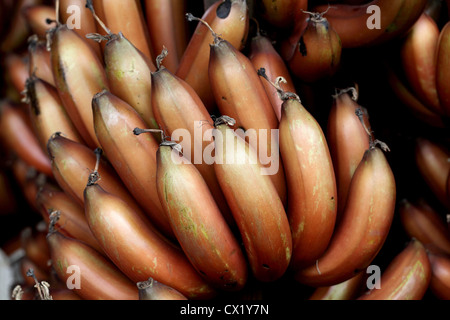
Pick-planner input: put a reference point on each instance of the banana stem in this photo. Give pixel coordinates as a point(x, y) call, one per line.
point(224, 120)
point(161, 57)
point(42, 287)
point(284, 95)
point(217, 38)
point(96, 36)
point(353, 90)
point(372, 142)
point(94, 177)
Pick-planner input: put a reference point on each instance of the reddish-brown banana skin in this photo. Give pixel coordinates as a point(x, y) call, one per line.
point(443, 66)
point(258, 212)
point(126, 17)
point(77, 82)
point(347, 290)
point(133, 157)
point(177, 106)
point(201, 229)
point(17, 73)
point(440, 274)
point(85, 18)
point(348, 142)
point(364, 227)
point(239, 93)
point(72, 221)
point(72, 163)
point(432, 160)
point(423, 223)
point(230, 23)
point(99, 278)
point(36, 18)
point(129, 74)
point(264, 55)
point(317, 55)
point(281, 13)
point(39, 60)
point(407, 277)
point(155, 290)
point(35, 246)
point(137, 248)
point(418, 55)
point(47, 113)
point(168, 28)
point(17, 135)
point(312, 193)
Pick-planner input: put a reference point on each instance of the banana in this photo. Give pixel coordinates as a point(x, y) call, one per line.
point(440, 271)
point(432, 161)
point(198, 224)
point(311, 182)
point(47, 113)
point(126, 17)
point(230, 19)
point(79, 75)
point(39, 60)
point(167, 28)
point(133, 158)
point(38, 18)
point(443, 66)
point(410, 102)
point(407, 277)
point(280, 13)
point(318, 51)
point(148, 254)
point(154, 290)
point(99, 278)
point(240, 94)
point(365, 223)
point(347, 141)
point(72, 222)
point(347, 290)
point(128, 71)
point(418, 55)
point(70, 164)
point(177, 107)
point(263, 54)
point(17, 134)
point(258, 212)
point(353, 23)
point(16, 67)
point(35, 246)
point(422, 222)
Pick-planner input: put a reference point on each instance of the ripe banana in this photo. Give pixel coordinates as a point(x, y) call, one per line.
point(99, 277)
point(198, 224)
point(136, 247)
point(440, 275)
point(39, 60)
point(155, 290)
point(432, 160)
point(365, 223)
point(347, 290)
point(280, 13)
point(133, 158)
point(47, 113)
point(34, 244)
point(317, 54)
point(423, 223)
point(311, 183)
point(37, 18)
point(406, 278)
point(443, 67)
point(77, 82)
point(347, 141)
point(230, 19)
point(418, 56)
point(258, 212)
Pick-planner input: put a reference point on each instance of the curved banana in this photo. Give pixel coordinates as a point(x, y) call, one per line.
point(133, 158)
point(443, 66)
point(114, 223)
point(365, 223)
point(347, 140)
point(258, 211)
point(280, 14)
point(230, 19)
point(347, 290)
point(36, 17)
point(317, 54)
point(423, 223)
point(432, 160)
point(39, 60)
point(407, 277)
point(311, 183)
point(198, 224)
point(418, 56)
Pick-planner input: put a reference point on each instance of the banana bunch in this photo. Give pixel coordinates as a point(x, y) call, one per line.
point(163, 150)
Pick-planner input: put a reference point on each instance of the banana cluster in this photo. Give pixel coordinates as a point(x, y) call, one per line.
point(173, 157)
